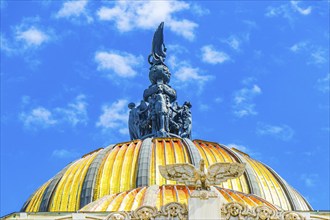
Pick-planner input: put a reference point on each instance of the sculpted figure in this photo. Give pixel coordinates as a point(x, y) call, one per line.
point(161, 111)
point(133, 122)
point(143, 118)
point(153, 89)
point(174, 118)
point(185, 130)
point(152, 114)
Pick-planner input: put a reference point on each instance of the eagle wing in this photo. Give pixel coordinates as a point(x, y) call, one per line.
point(220, 172)
point(180, 172)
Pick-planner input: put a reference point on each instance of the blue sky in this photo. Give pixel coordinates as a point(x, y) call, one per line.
point(256, 73)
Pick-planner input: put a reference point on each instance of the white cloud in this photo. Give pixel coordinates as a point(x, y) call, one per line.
point(243, 104)
point(233, 41)
point(238, 147)
point(124, 131)
point(120, 63)
point(245, 150)
point(287, 10)
point(177, 49)
point(74, 9)
point(64, 154)
point(199, 10)
point(251, 24)
point(32, 36)
point(203, 107)
point(25, 38)
point(282, 10)
point(299, 46)
point(186, 75)
point(319, 56)
point(128, 15)
point(212, 56)
point(218, 100)
point(302, 11)
point(40, 117)
point(309, 179)
point(323, 84)
point(282, 132)
point(315, 54)
point(75, 112)
point(114, 116)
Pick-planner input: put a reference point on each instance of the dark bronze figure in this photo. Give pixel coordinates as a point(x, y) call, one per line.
point(133, 122)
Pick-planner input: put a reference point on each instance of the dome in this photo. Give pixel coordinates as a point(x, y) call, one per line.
point(125, 171)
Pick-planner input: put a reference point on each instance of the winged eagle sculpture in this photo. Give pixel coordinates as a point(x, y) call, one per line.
point(188, 174)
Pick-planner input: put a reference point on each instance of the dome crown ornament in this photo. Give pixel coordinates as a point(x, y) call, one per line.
point(159, 115)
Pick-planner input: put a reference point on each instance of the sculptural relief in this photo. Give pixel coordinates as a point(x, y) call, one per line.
point(200, 178)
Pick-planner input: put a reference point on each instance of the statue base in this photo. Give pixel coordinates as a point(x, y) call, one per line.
point(204, 204)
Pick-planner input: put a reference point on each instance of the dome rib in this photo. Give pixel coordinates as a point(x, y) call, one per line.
point(249, 173)
point(264, 182)
point(127, 168)
point(193, 151)
point(144, 163)
point(295, 204)
point(138, 199)
point(117, 170)
point(103, 175)
point(60, 188)
point(50, 189)
point(34, 204)
point(282, 193)
point(86, 195)
point(76, 188)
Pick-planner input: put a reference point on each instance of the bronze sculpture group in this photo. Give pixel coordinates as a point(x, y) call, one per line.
point(158, 114)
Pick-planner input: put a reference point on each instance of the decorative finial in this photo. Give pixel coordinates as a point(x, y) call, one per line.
point(158, 114)
point(158, 51)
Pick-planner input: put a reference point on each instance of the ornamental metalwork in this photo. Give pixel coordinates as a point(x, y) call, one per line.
point(159, 114)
